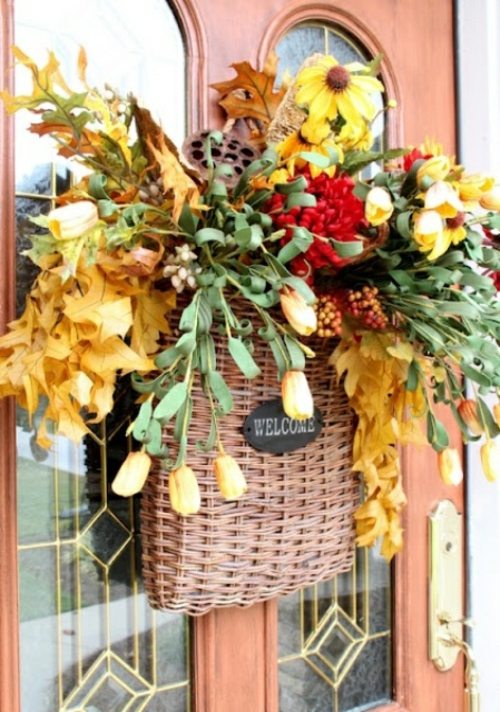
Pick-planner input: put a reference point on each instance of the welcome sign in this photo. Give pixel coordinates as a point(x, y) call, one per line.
point(270, 429)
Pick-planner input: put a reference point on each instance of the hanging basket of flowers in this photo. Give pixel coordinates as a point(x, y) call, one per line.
point(286, 321)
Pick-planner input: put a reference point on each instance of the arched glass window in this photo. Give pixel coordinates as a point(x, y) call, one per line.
point(89, 640)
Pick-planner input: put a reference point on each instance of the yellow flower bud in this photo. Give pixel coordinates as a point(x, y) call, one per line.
point(490, 459)
point(315, 131)
point(230, 478)
point(392, 104)
point(467, 409)
point(491, 199)
point(132, 474)
point(444, 199)
point(473, 186)
point(72, 220)
point(297, 399)
point(184, 491)
point(378, 206)
point(496, 413)
point(428, 233)
point(299, 315)
point(450, 467)
point(435, 168)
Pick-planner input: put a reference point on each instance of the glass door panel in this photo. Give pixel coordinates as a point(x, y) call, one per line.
point(335, 637)
point(89, 640)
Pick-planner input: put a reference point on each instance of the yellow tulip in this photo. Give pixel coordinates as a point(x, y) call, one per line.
point(435, 168)
point(450, 467)
point(132, 474)
point(297, 399)
point(490, 459)
point(473, 186)
point(467, 409)
point(442, 198)
point(299, 315)
point(72, 220)
point(491, 199)
point(429, 234)
point(230, 478)
point(378, 206)
point(184, 491)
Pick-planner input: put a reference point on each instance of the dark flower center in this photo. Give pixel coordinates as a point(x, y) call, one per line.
point(457, 221)
point(338, 78)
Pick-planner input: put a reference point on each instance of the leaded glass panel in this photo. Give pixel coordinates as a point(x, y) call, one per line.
point(89, 640)
point(335, 637)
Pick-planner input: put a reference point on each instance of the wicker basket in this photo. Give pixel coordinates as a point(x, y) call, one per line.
point(293, 528)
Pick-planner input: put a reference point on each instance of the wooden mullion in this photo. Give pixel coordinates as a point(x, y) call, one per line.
point(9, 608)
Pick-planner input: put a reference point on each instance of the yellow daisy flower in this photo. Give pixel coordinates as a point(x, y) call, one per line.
point(329, 88)
point(295, 143)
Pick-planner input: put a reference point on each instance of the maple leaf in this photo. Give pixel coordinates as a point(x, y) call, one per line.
point(251, 94)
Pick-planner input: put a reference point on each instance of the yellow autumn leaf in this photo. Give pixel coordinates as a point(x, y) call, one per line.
point(402, 350)
point(114, 354)
point(175, 179)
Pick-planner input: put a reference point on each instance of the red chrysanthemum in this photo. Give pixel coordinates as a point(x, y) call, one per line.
point(338, 214)
point(413, 156)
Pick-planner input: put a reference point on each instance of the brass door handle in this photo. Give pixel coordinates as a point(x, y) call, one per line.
point(446, 604)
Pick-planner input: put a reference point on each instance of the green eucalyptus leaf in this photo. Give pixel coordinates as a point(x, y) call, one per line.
point(97, 186)
point(403, 224)
point(106, 208)
point(298, 185)
point(209, 234)
point(220, 389)
point(188, 221)
point(142, 420)
point(188, 317)
point(413, 377)
point(347, 249)
point(280, 354)
point(301, 200)
point(242, 357)
point(166, 358)
point(154, 445)
point(300, 242)
point(297, 356)
point(171, 402)
point(187, 343)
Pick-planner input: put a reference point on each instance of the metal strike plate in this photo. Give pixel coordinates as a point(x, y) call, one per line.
point(446, 582)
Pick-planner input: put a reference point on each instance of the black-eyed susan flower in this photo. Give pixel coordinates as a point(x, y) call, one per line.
point(329, 88)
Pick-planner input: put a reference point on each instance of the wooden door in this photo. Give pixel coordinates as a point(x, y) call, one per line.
point(235, 652)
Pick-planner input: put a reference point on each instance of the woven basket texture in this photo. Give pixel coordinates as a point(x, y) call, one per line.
point(293, 528)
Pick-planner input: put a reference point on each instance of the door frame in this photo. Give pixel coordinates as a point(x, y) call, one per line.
point(220, 667)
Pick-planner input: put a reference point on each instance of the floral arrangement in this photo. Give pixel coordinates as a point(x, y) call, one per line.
point(400, 270)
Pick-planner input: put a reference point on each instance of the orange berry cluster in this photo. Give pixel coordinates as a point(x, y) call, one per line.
point(364, 305)
point(329, 316)
point(360, 304)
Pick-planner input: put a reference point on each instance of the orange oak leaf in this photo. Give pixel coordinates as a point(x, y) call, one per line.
point(251, 94)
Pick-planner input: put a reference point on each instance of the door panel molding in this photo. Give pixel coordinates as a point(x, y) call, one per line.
point(9, 608)
point(195, 38)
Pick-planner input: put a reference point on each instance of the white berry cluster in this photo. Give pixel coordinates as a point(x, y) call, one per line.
point(182, 268)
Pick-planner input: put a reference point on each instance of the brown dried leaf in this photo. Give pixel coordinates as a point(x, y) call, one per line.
point(251, 94)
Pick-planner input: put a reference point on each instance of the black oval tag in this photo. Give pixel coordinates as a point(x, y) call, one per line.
point(269, 429)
